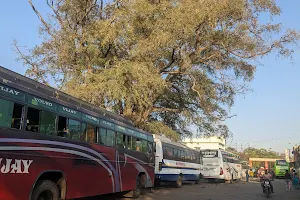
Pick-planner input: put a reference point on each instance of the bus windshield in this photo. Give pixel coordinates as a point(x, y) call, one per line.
point(210, 157)
point(281, 163)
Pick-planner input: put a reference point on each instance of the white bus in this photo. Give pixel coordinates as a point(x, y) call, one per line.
point(174, 162)
point(221, 165)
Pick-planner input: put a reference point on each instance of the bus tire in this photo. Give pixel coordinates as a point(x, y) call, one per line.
point(157, 182)
point(139, 186)
point(46, 190)
point(179, 181)
point(199, 179)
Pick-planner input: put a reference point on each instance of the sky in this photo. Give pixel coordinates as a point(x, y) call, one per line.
point(267, 117)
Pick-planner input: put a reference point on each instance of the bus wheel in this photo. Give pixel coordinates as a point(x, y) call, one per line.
point(198, 181)
point(139, 186)
point(179, 181)
point(45, 190)
point(157, 183)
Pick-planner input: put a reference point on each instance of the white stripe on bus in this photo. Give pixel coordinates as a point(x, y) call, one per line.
point(17, 148)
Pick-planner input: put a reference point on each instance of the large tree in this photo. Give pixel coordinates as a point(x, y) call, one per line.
point(165, 64)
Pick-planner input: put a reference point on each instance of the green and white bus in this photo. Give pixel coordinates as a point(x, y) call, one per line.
point(280, 168)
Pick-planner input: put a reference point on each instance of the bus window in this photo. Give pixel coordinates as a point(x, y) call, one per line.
point(134, 143)
point(90, 135)
point(33, 120)
point(182, 155)
point(144, 146)
point(129, 140)
point(187, 156)
point(82, 132)
point(6, 109)
point(120, 141)
point(141, 145)
point(62, 127)
point(102, 136)
point(74, 129)
point(17, 115)
point(169, 152)
point(110, 138)
point(176, 154)
point(47, 124)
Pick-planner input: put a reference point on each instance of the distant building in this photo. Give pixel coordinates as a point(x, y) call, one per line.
point(296, 154)
point(287, 155)
point(205, 143)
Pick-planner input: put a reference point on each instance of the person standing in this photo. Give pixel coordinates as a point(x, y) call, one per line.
point(288, 180)
point(247, 175)
point(296, 181)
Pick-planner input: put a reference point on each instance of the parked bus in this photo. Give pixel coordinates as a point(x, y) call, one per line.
point(221, 165)
point(280, 168)
point(54, 146)
point(175, 162)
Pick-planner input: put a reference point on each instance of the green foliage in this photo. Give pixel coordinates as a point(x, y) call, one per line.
point(165, 64)
point(260, 153)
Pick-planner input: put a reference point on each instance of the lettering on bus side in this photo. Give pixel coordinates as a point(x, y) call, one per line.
point(8, 90)
point(69, 110)
point(14, 166)
point(180, 164)
point(42, 101)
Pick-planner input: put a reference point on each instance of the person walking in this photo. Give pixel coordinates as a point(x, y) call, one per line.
point(288, 180)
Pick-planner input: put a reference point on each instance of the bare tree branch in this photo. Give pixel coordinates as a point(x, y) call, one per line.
point(42, 19)
point(34, 66)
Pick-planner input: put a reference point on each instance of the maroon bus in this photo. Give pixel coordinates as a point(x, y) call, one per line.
point(54, 146)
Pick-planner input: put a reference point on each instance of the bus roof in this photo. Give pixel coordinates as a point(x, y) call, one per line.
point(164, 139)
point(28, 85)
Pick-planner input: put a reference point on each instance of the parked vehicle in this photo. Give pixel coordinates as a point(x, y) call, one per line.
point(221, 165)
point(174, 162)
point(59, 147)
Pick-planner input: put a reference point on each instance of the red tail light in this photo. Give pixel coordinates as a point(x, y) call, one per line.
point(221, 171)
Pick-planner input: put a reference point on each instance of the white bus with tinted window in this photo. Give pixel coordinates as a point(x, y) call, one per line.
point(175, 162)
point(221, 165)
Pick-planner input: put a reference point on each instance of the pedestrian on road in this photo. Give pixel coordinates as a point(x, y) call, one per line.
point(247, 175)
point(296, 181)
point(288, 180)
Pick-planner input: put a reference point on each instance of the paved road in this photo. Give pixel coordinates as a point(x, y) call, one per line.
point(221, 191)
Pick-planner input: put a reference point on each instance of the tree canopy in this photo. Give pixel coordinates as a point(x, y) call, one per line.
point(165, 64)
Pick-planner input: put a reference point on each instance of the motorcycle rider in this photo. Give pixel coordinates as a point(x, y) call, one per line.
point(268, 177)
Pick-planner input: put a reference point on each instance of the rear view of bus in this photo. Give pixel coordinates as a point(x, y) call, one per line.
point(280, 168)
point(212, 164)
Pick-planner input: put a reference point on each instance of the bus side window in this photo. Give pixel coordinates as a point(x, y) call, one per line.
point(73, 130)
point(62, 127)
point(17, 116)
point(6, 109)
point(102, 136)
point(175, 154)
point(33, 120)
point(134, 143)
point(47, 123)
point(119, 140)
point(90, 134)
point(129, 142)
point(182, 157)
point(110, 138)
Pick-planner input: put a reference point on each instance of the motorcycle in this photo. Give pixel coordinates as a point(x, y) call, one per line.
point(267, 188)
